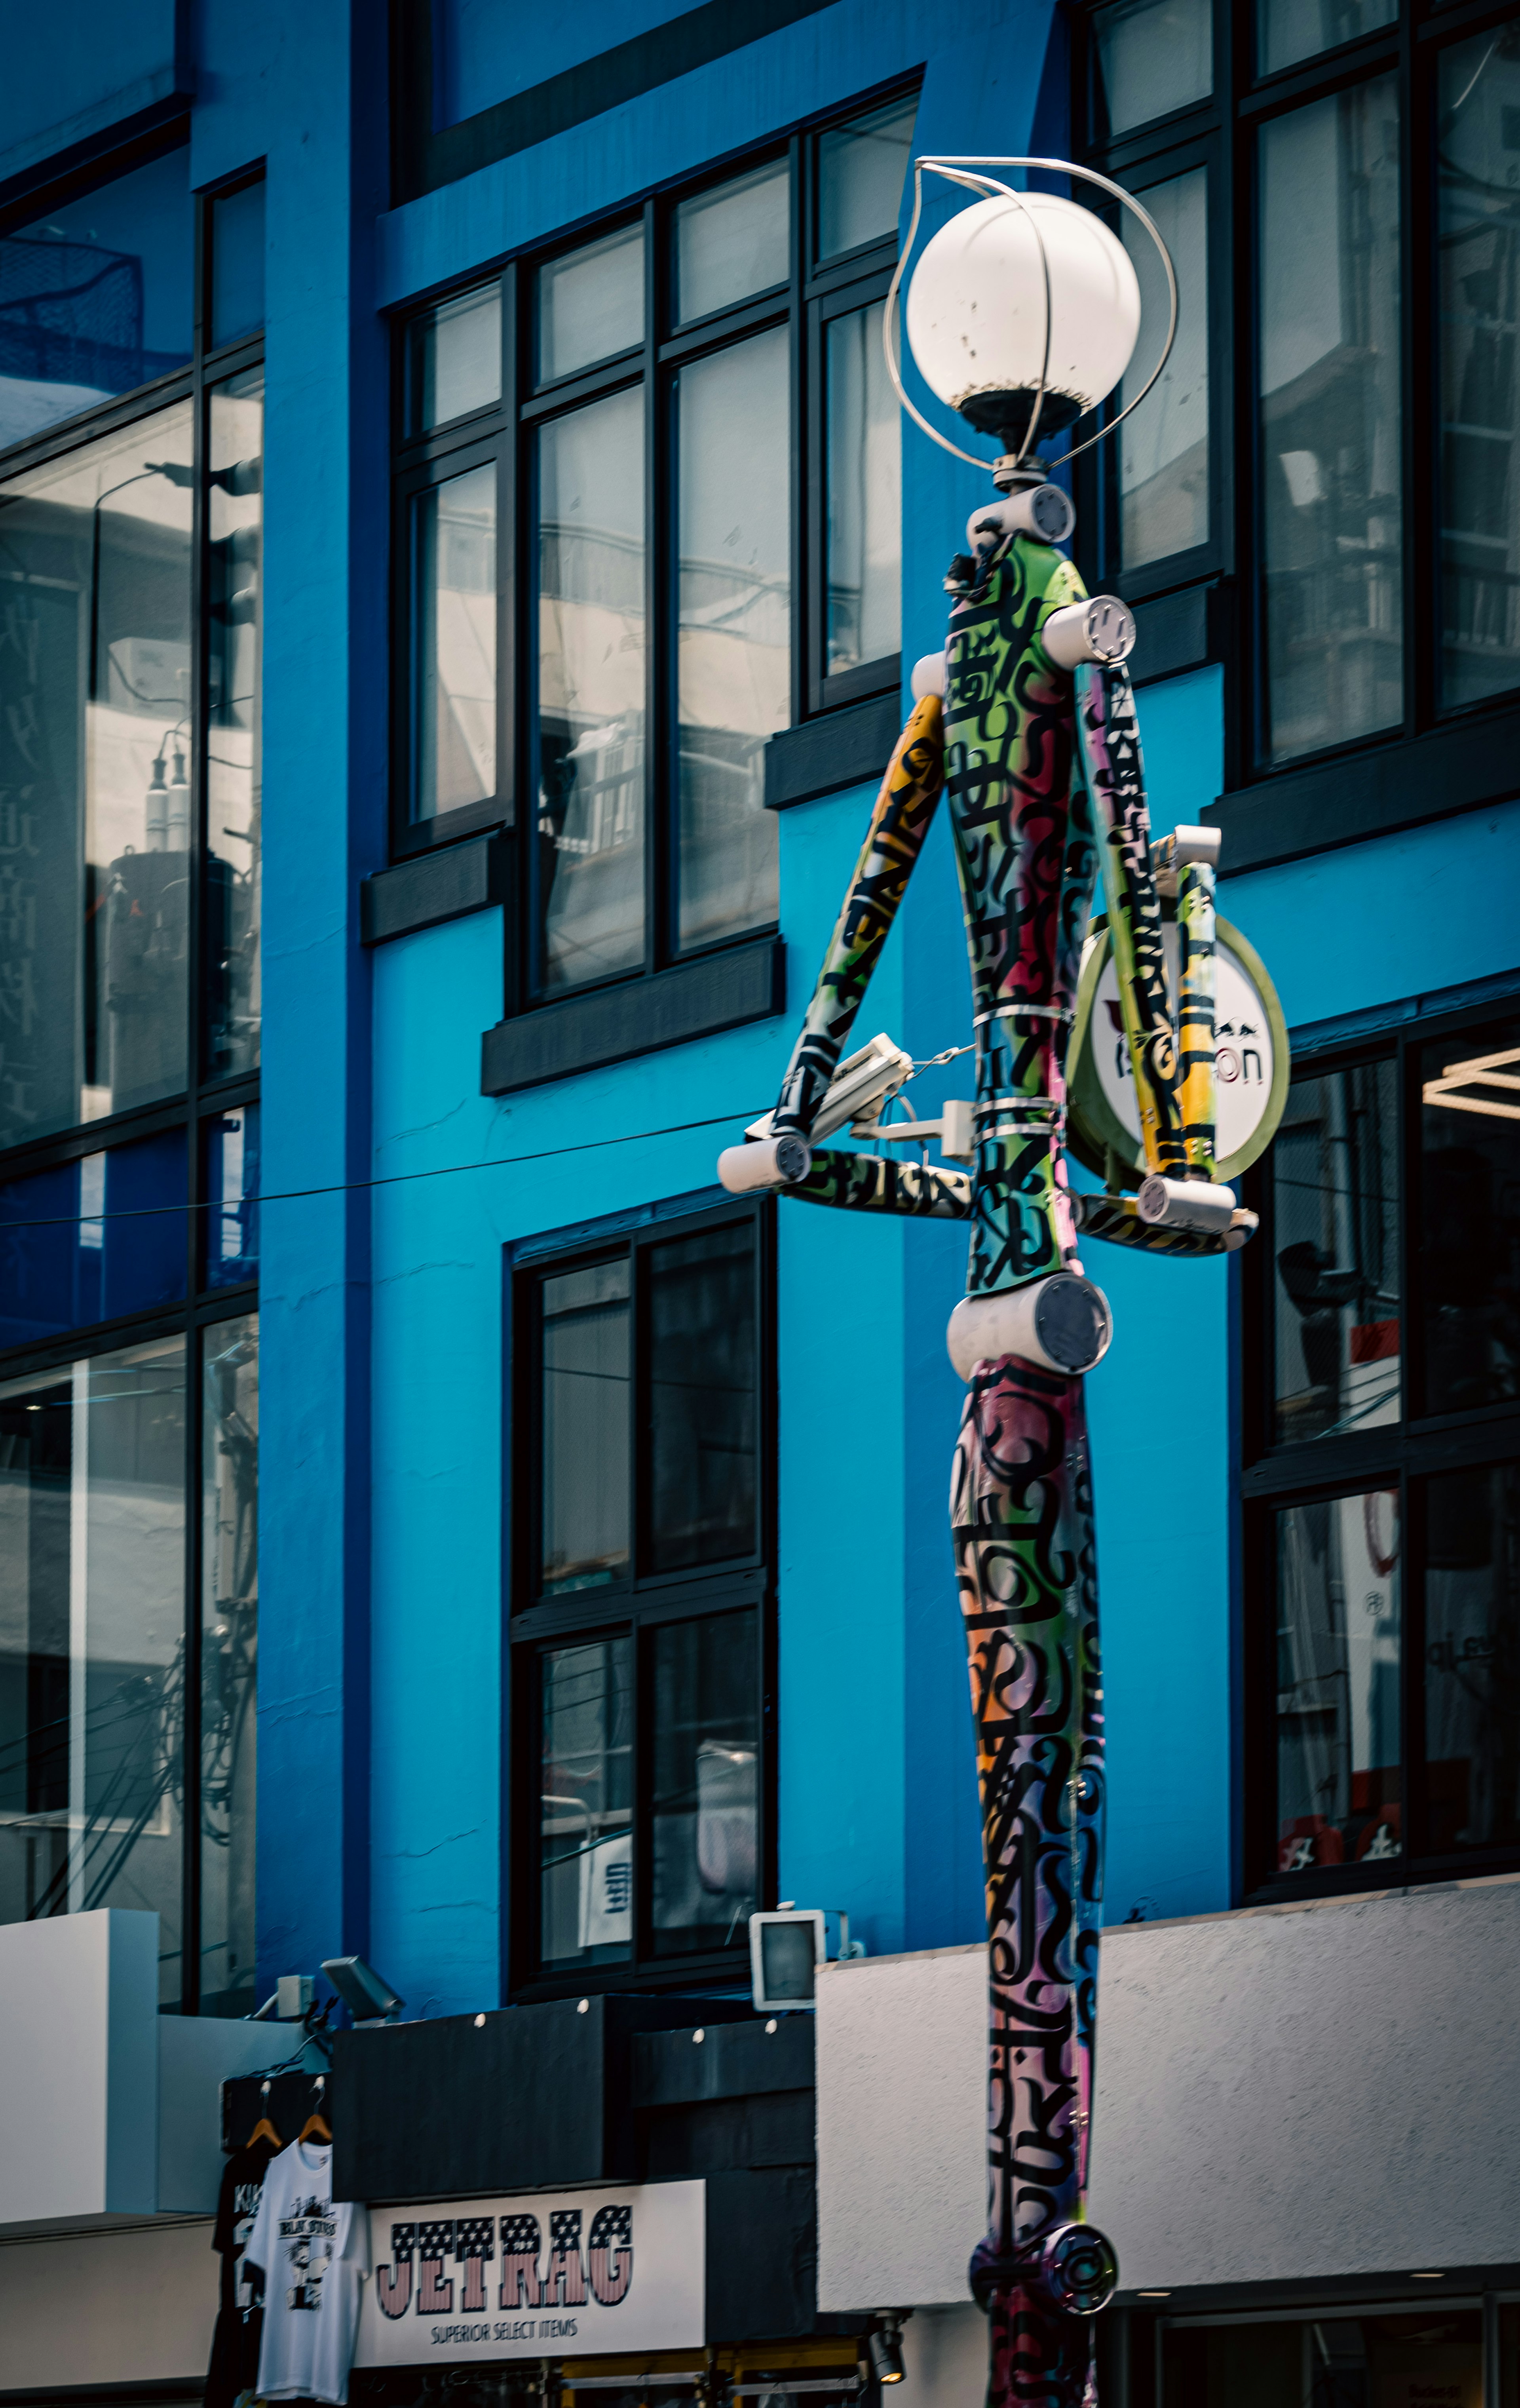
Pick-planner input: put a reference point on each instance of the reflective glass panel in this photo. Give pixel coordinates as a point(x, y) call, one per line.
point(1339, 1640)
point(736, 629)
point(1473, 1659)
point(454, 557)
point(590, 692)
point(1469, 1230)
point(453, 359)
point(237, 263)
point(702, 1398)
point(1290, 30)
point(234, 762)
point(1153, 57)
point(89, 1240)
point(585, 1427)
point(733, 241)
point(93, 1642)
point(229, 1660)
point(706, 1684)
point(1329, 418)
point(230, 1189)
point(1164, 446)
point(1335, 2361)
point(586, 1828)
point(590, 304)
point(861, 167)
point(1478, 155)
point(1334, 1168)
point(94, 777)
point(95, 296)
point(864, 569)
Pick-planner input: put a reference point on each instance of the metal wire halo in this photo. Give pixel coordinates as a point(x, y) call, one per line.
point(966, 171)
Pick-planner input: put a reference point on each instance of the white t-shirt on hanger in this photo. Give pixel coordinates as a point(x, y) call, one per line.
point(314, 2253)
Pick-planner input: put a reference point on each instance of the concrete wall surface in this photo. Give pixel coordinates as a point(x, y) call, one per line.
point(1283, 2094)
point(135, 2306)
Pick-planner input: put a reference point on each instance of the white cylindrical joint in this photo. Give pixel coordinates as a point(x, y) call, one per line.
point(775, 1162)
point(1063, 1324)
point(1184, 1204)
point(1197, 844)
point(1043, 511)
point(1100, 629)
point(928, 676)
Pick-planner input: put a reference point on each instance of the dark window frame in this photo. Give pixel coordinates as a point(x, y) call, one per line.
point(206, 1098)
point(1400, 1455)
point(641, 1603)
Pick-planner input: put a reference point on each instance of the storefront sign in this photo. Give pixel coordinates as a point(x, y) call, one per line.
point(553, 2275)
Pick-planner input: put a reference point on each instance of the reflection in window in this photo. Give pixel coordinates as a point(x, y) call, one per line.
point(454, 540)
point(1338, 1672)
point(1473, 1659)
point(585, 1804)
point(703, 1440)
point(864, 563)
point(1290, 30)
point(733, 241)
point(861, 167)
point(1369, 2362)
point(1480, 407)
point(706, 1789)
point(590, 304)
point(1164, 446)
point(230, 1191)
point(92, 1641)
point(90, 1240)
point(585, 1429)
point(229, 1660)
point(1329, 416)
point(1468, 1233)
point(94, 777)
point(590, 692)
point(1334, 1171)
point(234, 771)
point(1154, 56)
point(95, 298)
point(736, 630)
point(453, 359)
point(237, 238)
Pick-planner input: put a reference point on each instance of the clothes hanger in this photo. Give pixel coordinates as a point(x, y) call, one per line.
point(316, 2127)
point(264, 2129)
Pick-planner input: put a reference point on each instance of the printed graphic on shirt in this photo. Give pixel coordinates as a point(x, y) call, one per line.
point(245, 2208)
point(309, 2236)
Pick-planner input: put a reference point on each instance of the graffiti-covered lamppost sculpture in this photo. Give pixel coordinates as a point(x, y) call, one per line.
point(1023, 314)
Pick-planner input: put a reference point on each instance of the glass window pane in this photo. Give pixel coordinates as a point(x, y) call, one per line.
point(89, 1240)
point(95, 298)
point(94, 779)
point(1479, 254)
point(1164, 447)
point(702, 1398)
point(733, 242)
point(453, 359)
point(1153, 57)
point(1289, 30)
point(590, 692)
point(93, 1642)
point(229, 1660)
point(237, 263)
point(590, 304)
point(706, 1684)
point(1338, 1652)
point(234, 764)
point(1329, 414)
point(585, 1427)
point(736, 630)
point(1334, 1168)
point(1468, 1232)
point(230, 1188)
point(864, 570)
point(1377, 2360)
point(454, 557)
point(586, 1828)
point(1473, 1659)
point(861, 167)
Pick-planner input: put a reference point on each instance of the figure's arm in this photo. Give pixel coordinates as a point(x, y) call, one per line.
point(1116, 1219)
point(873, 1183)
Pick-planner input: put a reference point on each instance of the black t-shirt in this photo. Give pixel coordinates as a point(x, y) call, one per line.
point(235, 2347)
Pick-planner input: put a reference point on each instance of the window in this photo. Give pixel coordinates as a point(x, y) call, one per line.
point(640, 1628)
point(1327, 2361)
point(1382, 1540)
point(648, 485)
point(130, 789)
point(1339, 194)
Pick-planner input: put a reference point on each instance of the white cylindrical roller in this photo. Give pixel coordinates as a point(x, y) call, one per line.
point(1184, 1204)
point(774, 1162)
point(1100, 629)
point(1062, 1322)
point(928, 676)
point(1043, 511)
point(1199, 844)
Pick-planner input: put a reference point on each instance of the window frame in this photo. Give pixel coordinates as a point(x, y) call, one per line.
point(641, 1603)
point(1398, 1455)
